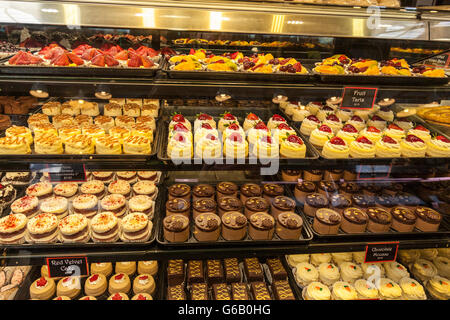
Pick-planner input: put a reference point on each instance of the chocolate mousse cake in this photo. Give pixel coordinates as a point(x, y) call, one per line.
point(261, 226)
point(385, 201)
point(239, 291)
point(327, 188)
point(180, 190)
point(232, 271)
point(272, 190)
point(214, 272)
point(221, 291)
point(289, 226)
point(203, 191)
point(313, 202)
point(250, 190)
point(371, 190)
point(276, 269)
point(408, 200)
point(178, 206)
point(312, 175)
point(282, 204)
point(234, 226)
point(253, 270)
point(175, 272)
point(195, 272)
point(257, 204)
point(403, 220)
point(290, 175)
point(176, 228)
point(354, 220)
point(226, 189)
point(207, 227)
point(176, 292)
point(199, 291)
point(349, 188)
point(380, 220)
point(203, 206)
point(362, 201)
point(339, 202)
point(302, 189)
point(260, 291)
point(333, 174)
point(326, 221)
point(7, 194)
point(227, 204)
point(282, 290)
point(427, 219)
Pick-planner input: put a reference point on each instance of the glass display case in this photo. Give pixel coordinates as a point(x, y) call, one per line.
point(191, 150)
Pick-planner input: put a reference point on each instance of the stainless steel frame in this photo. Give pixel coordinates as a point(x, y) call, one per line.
point(231, 16)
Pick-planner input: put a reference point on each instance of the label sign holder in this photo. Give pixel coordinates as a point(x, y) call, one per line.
point(75, 172)
point(360, 98)
point(67, 266)
point(381, 252)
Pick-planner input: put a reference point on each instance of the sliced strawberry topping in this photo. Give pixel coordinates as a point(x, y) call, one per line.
point(211, 137)
point(373, 129)
point(93, 278)
point(413, 138)
point(325, 128)
point(266, 139)
point(284, 126)
point(41, 282)
point(364, 140)
point(119, 276)
point(252, 116)
point(421, 128)
point(58, 298)
point(143, 277)
point(141, 297)
point(117, 296)
point(204, 116)
point(179, 137)
point(294, 139)
point(333, 117)
point(388, 139)
point(233, 126)
point(178, 118)
point(442, 138)
point(394, 127)
point(337, 141)
point(349, 128)
point(377, 118)
point(313, 118)
point(110, 61)
point(206, 126)
point(260, 126)
point(277, 117)
point(357, 118)
point(179, 127)
point(229, 116)
point(236, 137)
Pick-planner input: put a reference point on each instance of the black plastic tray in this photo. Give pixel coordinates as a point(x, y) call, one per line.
point(190, 112)
point(24, 293)
point(381, 80)
point(79, 71)
point(306, 235)
point(262, 261)
point(444, 229)
point(91, 244)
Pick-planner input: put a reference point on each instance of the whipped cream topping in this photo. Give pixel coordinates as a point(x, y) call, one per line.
point(363, 145)
point(440, 143)
point(339, 147)
point(389, 145)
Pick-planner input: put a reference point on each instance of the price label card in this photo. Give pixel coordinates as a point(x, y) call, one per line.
point(67, 172)
point(358, 98)
point(441, 61)
point(373, 172)
point(381, 252)
point(67, 266)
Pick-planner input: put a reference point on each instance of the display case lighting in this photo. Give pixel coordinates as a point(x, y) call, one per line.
point(39, 91)
point(103, 92)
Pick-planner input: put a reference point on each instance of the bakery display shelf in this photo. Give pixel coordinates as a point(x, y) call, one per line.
point(266, 278)
point(237, 75)
point(192, 242)
point(24, 290)
point(240, 113)
point(381, 80)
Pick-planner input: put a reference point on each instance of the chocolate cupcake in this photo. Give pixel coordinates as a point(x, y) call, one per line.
point(203, 206)
point(272, 190)
point(289, 226)
point(178, 206)
point(290, 175)
point(234, 226)
point(302, 189)
point(339, 202)
point(226, 189)
point(371, 190)
point(385, 201)
point(313, 202)
point(176, 228)
point(427, 219)
point(327, 188)
point(282, 204)
point(261, 226)
point(256, 204)
point(349, 188)
point(333, 175)
point(250, 190)
point(362, 201)
point(354, 220)
point(380, 220)
point(326, 221)
point(207, 227)
point(203, 191)
point(403, 220)
point(226, 204)
point(180, 190)
point(312, 175)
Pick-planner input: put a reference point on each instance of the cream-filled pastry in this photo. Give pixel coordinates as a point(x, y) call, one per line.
point(13, 228)
point(150, 109)
point(421, 132)
point(292, 147)
point(51, 108)
point(44, 128)
point(55, 205)
point(93, 131)
point(105, 227)
point(413, 146)
point(131, 109)
point(144, 283)
point(95, 285)
point(179, 147)
point(120, 133)
point(83, 120)
point(108, 145)
point(38, 118)
point(348, 133)
point(371, 133)
point(208, 147)
point(333, 122)
point(438, 146)
point(48, 144)
point(225, 121)
point(80, 144)
point(357, 122)
point(106, 122)
point(14, 145)
point(394, 131)
point(74, 228)
point(179, 118)
point(143, 130)
point(148, 120)
point(387, 147)
point(309, 124)
point(115, 203)
point(320, 135)
point(63, 120)
point(66, 132)
point(336, 148)
point(377, 122)
point(43, 289)
point(266, 147)
point(90, 109)
point(137, 145)
point(112, 109)
point(257, 132)
point(20, 132)
point(274, 121)
point(362, 148)
point(324, 112)
point(120, 282)
point(282, 132)
point(235, 147)
point(136, 227)
point(125, 121)
point(42, 228)
point(203, 118)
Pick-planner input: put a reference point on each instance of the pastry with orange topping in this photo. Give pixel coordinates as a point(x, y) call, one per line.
point(14, 145)
point(48, 144)
point(20, 132)
point(13, 228)
point(136, 227)
point(137, 145)
point(108, 145)
point(74, 228)
point(105, 227)
point(42, 228)
point(80, 144)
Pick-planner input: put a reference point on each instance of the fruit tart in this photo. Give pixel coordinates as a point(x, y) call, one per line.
point(377, 122)
point(387, 147)
point(357, 122)
point(348, 133)
point(371, 133)
point(220, 65)
point(250, 121)
point(226, 120)
point(182, 130)
point(394, 131)
point(428, 72)
point(203, 118)
point(324, 112)
point(362, 147)
point(333, 122)
point(309, 124)
point(395, 67)
point(320, 135)
point(179, 118)
point(274, 121)
point(205, 129)
point(364, 66)
point(336, 148)
point(292, 147)
point(233, 128)
point(413, 146)
point(289, 65)
point(282, 131)
point(438, 146)
point(386, 114)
